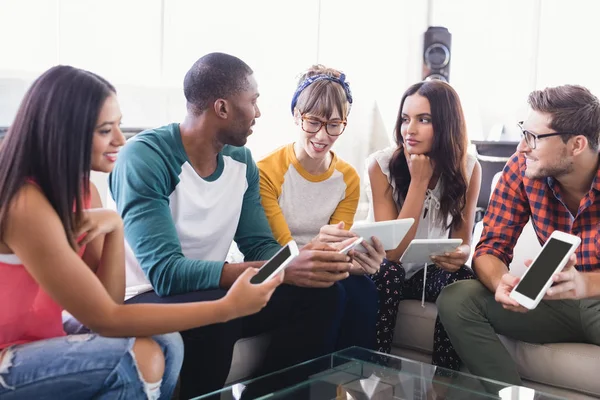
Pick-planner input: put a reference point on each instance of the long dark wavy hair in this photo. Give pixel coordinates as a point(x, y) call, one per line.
point(50, 142)
point(449, 150)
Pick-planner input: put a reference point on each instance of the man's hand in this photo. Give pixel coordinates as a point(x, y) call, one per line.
point(506, 285)
point(319, 265)
point(569, 283)
point(369, 262)
point(452, 262)
point(334, 233)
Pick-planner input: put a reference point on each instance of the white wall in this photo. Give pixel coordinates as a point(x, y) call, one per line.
point(493, 51)
point(501, 51)
point(145, 48)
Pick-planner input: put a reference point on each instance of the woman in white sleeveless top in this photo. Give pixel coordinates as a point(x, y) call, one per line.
point(430, 177)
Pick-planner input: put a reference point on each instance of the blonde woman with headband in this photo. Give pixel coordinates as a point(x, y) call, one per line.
point(309, 192)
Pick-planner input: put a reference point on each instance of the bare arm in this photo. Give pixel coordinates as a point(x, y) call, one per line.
point(232, 271)
point(593, 280)
point(384, 206)
point(465, 231)
point(489, 270)
point(105, 255)
point(35, 234)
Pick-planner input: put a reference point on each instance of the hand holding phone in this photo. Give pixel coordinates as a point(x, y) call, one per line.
point(502, 295)
point(277, 263)
point(245, 298)
point(369, 262)
point(536, 280)
point(352, 245)
point(319, 265)
point(568, 283)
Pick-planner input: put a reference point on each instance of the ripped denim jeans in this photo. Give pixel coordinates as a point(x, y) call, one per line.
point(85, 366)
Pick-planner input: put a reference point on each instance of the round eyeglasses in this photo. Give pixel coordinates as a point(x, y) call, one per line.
point(313, 125)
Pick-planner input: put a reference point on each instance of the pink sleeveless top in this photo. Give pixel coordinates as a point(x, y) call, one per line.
point(27, 312)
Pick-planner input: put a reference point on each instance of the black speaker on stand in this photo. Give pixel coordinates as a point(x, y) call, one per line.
point(436, 53)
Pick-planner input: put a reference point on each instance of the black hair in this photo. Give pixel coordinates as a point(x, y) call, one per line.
point(50, 142)
point(449, 149)
point(214, 76)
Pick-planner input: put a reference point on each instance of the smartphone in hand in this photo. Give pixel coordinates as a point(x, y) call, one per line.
point(277, 263)
point(352, 245)
point(538, 277)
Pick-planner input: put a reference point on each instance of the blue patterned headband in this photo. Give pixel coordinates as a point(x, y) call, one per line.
point(308, 81)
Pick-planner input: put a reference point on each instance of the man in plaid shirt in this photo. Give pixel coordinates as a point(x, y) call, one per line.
point(554, 180)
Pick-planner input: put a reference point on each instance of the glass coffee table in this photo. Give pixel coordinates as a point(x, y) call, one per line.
point(360, 374)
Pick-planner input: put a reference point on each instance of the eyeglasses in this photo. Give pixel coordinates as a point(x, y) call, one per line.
point(312, 126)
point(531, 138)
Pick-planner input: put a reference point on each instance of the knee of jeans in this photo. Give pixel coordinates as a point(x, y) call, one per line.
point(149, 361)
point(172, 346)
point(6, 357)
point(456, 297)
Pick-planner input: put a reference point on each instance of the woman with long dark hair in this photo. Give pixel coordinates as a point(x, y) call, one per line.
point(59, 250)
point(430, 177)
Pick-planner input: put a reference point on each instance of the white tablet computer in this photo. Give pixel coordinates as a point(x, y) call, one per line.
point(390, 233)
point(421, 250)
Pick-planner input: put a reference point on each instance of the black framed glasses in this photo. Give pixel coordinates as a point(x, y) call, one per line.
point(532, 138)
point(313, 125)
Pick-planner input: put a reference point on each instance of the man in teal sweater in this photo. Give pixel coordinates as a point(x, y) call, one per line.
point(185, 192)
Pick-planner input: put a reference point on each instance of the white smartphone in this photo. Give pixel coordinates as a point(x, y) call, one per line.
point(421, 250)
point(352, 245)
point(390, 233)
point(277, 263)
point(538, 277)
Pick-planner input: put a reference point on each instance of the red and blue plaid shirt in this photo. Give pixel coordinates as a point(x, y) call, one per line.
point(517, 198)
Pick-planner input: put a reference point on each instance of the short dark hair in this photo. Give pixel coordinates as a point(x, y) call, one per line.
point(573, 108)
point(50, 142)
point(214, 76)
